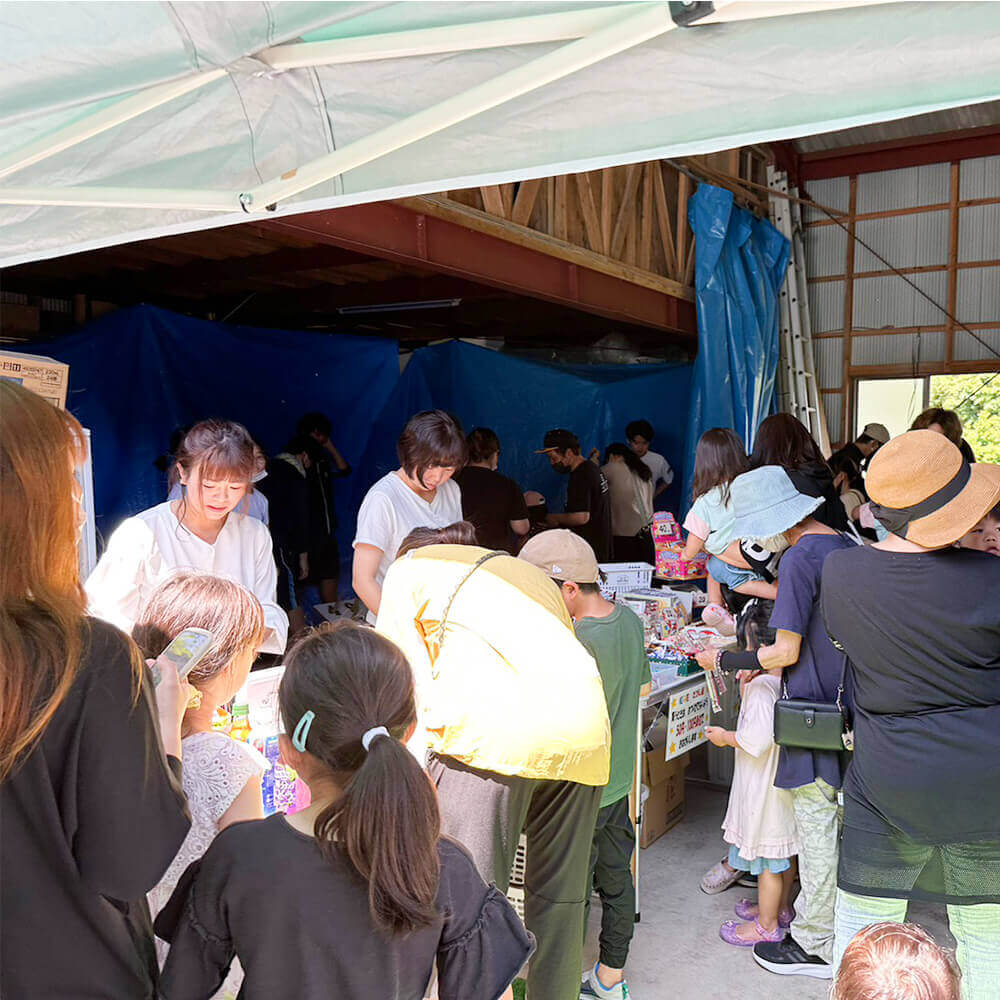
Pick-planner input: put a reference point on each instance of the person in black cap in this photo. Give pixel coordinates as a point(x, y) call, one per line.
point(850, 462)
point(588, 500)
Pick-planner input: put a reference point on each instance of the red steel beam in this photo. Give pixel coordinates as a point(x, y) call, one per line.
point(896, 153)
point(388, 230)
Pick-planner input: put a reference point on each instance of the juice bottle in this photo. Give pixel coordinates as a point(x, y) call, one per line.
point(241, 723)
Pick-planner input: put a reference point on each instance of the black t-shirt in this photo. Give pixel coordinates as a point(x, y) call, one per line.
point(491, 501)
point(302, 928)
point(89, 822)
point(816, 480)
point(922, 631)
point(589, 491)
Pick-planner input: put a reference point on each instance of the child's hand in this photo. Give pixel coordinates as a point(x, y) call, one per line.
point(717, 736)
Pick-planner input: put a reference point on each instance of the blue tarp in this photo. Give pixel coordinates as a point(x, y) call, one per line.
point(740, 265)
point(521, 399)
point(139, 373)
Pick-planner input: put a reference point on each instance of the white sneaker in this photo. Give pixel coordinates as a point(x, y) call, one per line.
point(591, 987)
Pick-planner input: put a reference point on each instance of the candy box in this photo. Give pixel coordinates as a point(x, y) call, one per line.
point(665, 528)
point(671, 565)
point(662, 613)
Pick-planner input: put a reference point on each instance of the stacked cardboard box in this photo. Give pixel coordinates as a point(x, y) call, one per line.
point(48, 378)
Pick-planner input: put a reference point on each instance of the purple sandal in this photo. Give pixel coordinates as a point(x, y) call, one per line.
point(729, 932)
point(746, 909)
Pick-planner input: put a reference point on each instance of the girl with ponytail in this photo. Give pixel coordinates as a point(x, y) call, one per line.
point(358, 894)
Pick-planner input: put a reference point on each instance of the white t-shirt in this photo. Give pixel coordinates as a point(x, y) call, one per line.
point(391, 510)
point(660, 468)
point(146, 549)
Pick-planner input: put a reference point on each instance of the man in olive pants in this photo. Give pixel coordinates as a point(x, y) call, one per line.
point(512, 708)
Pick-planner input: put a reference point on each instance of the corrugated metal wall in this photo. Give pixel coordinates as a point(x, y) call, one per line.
point(885, 302)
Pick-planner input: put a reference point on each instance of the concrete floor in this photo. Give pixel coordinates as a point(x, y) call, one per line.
point(677, 953)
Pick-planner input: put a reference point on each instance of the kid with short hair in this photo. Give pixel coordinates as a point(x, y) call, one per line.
point(985, 536)
point(356, 895)
point(222, 776)
point(613, 635)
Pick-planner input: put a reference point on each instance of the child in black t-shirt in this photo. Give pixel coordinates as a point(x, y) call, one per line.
point(356, 895)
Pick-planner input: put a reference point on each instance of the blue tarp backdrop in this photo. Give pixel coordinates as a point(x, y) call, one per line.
point(521, 400)
point(740, 265)
point(139, 373)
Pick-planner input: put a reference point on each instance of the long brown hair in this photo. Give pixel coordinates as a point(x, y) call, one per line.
point(718, 460)
point(225, 608)
point(387, 822)
point(42, 603)
point(783, 440)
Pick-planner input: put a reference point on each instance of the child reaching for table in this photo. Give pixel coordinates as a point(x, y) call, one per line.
point(760, 822)
point(356, 895)
point(221, 775)
point(719, 459)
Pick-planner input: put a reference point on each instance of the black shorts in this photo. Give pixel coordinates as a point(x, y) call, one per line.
point(324, 562)
point(288, 582)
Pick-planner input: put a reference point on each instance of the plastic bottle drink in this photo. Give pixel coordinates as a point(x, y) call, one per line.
point(241, 723)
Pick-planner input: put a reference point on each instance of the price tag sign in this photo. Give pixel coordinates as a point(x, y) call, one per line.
point(686, 719)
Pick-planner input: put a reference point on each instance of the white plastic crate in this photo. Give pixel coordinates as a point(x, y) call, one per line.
point(619, 578)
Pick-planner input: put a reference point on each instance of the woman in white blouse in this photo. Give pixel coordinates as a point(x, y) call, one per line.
point(216, 463)
point(419, 494)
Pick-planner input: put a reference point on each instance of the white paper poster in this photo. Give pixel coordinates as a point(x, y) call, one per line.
point(687, 717)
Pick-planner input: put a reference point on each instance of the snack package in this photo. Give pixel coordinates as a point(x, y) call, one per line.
point(662, 612)
point(665, 528)
point(671, 565)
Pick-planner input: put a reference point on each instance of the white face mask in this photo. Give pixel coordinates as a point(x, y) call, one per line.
point(774, 543)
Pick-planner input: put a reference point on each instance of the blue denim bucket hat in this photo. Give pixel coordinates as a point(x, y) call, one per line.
point(766, 503)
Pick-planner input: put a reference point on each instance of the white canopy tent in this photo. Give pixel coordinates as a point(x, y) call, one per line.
point(126, 121)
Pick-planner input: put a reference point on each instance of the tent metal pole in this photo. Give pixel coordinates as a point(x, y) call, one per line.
point(118, 197)
point(120, 111)
point(559, 27)
point(626, 33)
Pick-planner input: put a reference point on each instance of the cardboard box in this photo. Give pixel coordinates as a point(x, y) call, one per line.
point(45, 376)
point(664, 808)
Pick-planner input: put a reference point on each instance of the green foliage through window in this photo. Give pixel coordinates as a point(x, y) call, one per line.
point(980, 415)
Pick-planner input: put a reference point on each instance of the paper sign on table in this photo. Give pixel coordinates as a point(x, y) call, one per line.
point(686, 719)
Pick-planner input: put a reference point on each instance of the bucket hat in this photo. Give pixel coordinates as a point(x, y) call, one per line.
point(923, 490)
point(766, 502)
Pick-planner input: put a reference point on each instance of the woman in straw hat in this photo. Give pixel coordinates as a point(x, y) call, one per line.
point(920, 621)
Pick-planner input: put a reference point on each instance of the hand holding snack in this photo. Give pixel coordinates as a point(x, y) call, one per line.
point(717, 736)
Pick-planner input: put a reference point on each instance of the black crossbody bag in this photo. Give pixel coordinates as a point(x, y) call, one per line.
point(813, 725)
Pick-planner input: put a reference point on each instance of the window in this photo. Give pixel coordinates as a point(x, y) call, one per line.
point(895, 402)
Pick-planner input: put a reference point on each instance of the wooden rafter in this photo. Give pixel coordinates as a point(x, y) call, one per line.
point(493, 201)
point(646, 211)
point(524, 201)
point(663, 221)
point(626, 210)
point(588, 209)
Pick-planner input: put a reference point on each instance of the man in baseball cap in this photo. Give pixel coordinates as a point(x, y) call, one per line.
point(588, 497)
point(613, 635)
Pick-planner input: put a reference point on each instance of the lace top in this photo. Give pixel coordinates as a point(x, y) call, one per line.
point(215, 770)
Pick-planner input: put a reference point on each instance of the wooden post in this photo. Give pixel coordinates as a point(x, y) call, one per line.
point(646, 210)
point(956, 178)
point(607, 208)
point(682, 220)
point(846, 387)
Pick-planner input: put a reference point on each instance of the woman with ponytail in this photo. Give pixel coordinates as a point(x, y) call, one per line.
point(358, 894)
point(91, 808)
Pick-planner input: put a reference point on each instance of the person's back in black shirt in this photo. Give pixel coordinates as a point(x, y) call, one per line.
point(491, 501)
point(589, 491)
point(89, 822)
point(301, 925)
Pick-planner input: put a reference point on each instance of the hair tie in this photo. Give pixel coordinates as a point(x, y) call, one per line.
point(373, 734)
point(301, 733)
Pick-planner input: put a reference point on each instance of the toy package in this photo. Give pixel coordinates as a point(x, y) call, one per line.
point(661, 611)
point(669, 544)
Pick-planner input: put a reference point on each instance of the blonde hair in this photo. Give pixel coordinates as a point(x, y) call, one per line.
point(225, 608)
point(42, 603)
point(889, 961)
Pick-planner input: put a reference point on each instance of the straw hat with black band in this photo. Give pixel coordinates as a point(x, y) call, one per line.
point(923, 490)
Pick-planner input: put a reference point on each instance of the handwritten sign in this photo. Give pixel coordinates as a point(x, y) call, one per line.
point(686, 719)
